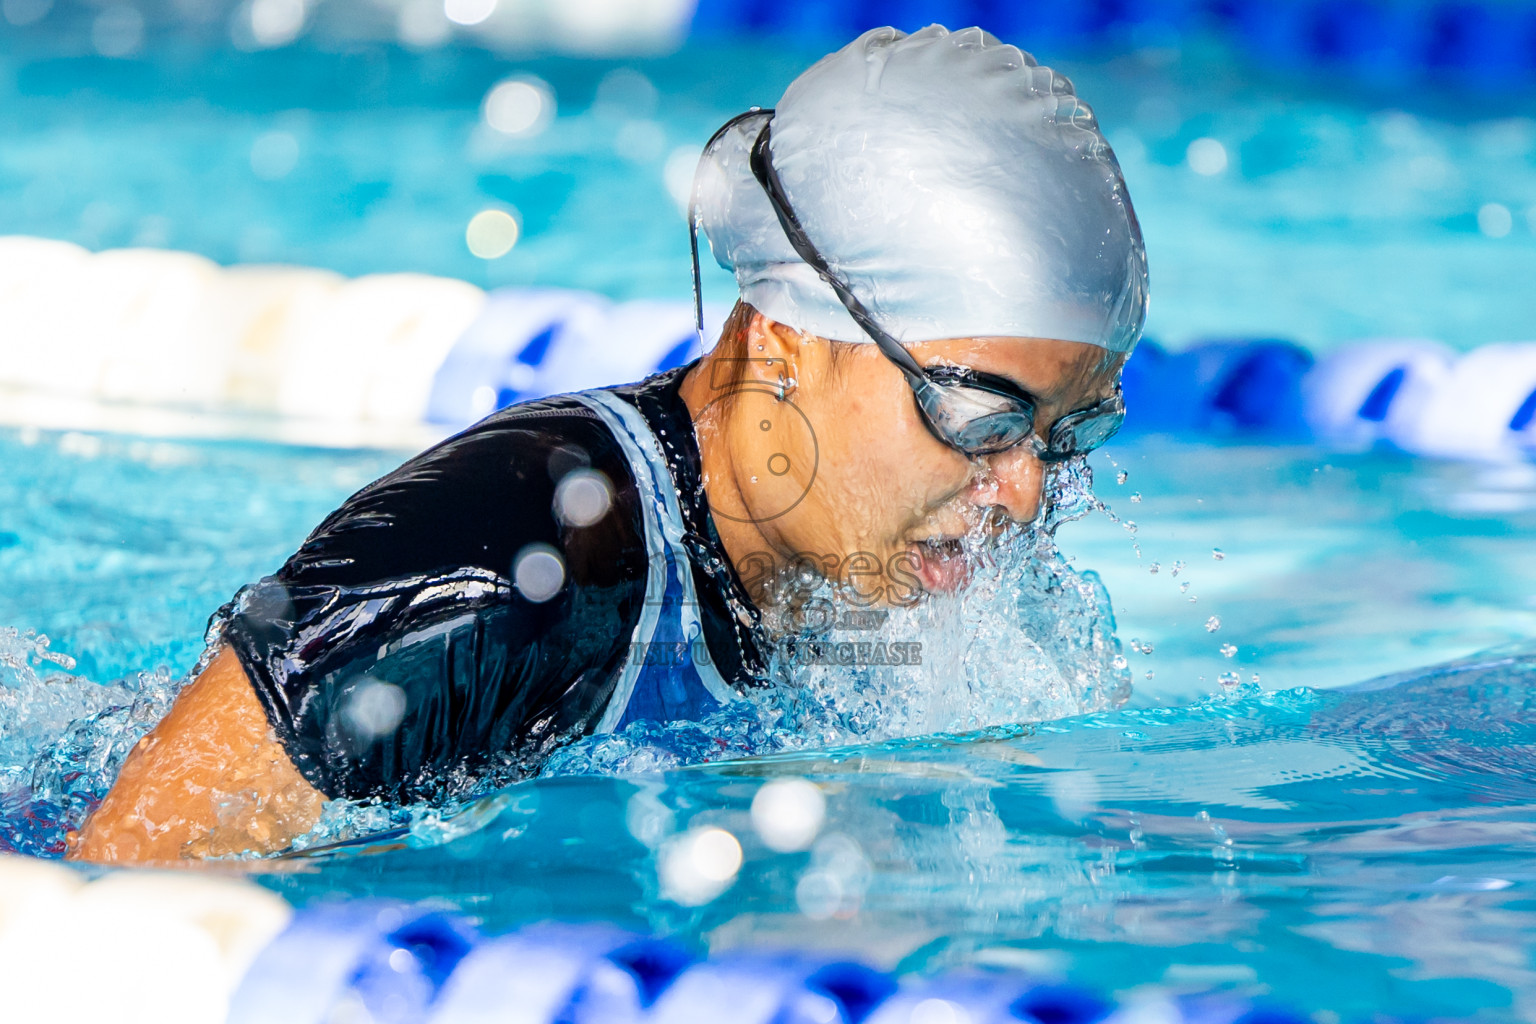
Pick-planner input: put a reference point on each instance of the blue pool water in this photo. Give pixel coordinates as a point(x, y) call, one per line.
point(1343, 851)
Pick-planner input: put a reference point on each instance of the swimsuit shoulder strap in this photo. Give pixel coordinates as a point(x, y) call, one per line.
point(668, 674)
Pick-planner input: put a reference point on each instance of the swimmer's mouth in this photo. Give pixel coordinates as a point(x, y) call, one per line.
point(942, 565)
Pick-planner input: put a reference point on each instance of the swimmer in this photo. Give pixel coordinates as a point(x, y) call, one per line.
point(940, 276)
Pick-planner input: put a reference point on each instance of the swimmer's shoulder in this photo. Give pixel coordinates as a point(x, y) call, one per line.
point(479, 498)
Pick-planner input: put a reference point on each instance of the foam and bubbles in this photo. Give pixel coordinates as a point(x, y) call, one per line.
point(1028, 639)
point(63, 738)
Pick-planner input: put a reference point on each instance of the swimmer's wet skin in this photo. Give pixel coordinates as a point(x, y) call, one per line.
point(896, 377)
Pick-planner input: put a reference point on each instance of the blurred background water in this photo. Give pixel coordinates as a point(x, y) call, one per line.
point(1311, 178)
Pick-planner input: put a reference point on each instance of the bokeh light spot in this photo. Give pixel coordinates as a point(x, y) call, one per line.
point(1206, 156)
point(373, 710)
point(274, 155)
point(25, 12)
point(677, 174)
point(538, 572)
point(699, 865)
point(521, 106)
point(277, 22)
point(468, 12)
point(583, 497)
point(788, 814)
point(1495, 220)
point(939, 1011)
point(117, 31)
point(423, 24)
point(491, 234)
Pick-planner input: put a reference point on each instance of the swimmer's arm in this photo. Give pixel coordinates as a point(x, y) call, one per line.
point(210, 779)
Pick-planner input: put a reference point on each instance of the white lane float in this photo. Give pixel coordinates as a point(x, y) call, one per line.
point(1485, 409)
point(131, 946)
point(1373, 390)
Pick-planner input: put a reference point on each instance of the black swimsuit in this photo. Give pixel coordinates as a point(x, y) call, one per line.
point(448, 625)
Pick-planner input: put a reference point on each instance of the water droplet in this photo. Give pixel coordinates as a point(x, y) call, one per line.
point(1212, 624)
point(1228, 650)
point(1150, 674)
point(1130, 527)
point(1135, 497)
point(1255, 677)
point(1184, 587)
point(754, 479)
point(1178, 567)
point(1119, 663)
point(1121, 477)
point(1228, 680)
point(1153, 568)
point(1193, 599)
point(1218, 554)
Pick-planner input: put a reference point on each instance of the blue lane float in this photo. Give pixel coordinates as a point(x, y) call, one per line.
point(1492, 42)
point(1374, 391)
point(396, 964)
point(389, 959)
point(1234, 387)
point(527, 343)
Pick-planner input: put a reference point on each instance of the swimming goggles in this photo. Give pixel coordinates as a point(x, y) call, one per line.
point(972, 412)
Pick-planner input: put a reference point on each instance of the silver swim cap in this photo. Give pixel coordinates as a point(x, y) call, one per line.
point(957, 187)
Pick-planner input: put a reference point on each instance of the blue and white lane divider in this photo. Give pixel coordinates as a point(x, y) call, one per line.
point(395, 964)
point(1416, 395)
point(403, 359)
point(195, 947)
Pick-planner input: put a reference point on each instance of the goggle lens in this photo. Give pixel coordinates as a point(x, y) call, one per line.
point(1087, 429)
point(977, 420)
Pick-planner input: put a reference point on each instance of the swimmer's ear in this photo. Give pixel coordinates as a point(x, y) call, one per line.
point(778, 351)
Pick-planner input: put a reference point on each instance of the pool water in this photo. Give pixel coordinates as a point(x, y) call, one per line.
point(1346, 851)
point(1338, 850)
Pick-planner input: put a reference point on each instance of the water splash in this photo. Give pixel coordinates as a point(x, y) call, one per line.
point(63, 738)
point(1028, 639)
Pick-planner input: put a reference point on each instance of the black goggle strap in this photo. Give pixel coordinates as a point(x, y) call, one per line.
point(763, 170)
point(693, 217)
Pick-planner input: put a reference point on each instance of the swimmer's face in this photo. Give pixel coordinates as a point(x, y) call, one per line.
point(848, 468)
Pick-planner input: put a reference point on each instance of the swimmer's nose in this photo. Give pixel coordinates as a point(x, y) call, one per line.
point(1013, 481)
